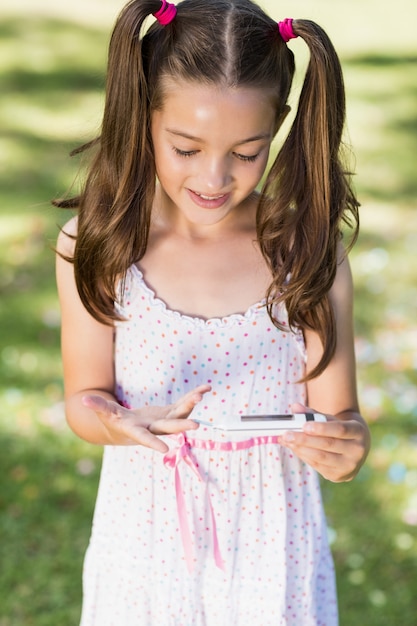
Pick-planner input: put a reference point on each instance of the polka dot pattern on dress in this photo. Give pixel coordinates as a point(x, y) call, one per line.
point(264, 503)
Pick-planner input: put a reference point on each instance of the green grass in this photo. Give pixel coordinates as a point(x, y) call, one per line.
point(52, 72)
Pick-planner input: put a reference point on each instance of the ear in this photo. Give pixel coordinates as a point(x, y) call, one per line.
point(281, 117)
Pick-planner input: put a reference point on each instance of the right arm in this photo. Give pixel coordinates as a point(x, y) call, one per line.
point(91, 408)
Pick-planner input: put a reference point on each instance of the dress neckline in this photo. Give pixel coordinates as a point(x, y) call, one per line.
point(154, 300)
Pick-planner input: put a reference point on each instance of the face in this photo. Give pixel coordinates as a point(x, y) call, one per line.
point(211, 148)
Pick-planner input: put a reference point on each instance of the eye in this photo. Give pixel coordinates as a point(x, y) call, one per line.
point(247, 158)
point(184, 153)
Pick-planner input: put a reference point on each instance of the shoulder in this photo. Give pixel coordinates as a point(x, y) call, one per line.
point(66, 238)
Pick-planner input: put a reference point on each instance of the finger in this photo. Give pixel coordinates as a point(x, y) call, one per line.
point(144, 437)
point(298, 407)
point(334, 429)
point(318, 438)
point(203, 388)
point(183, 407)
point(332, 465)
point(329, 465)
point(320, 447)
point(123, 422)
point(335, 459)
point(318, 452)
point(172, 426)
point(175, 421)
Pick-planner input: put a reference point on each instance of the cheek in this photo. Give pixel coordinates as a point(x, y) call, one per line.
point(172, 163)
point(258, 171)
point(166, 164)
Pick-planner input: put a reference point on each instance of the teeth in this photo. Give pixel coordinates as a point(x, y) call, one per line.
point(210, 197)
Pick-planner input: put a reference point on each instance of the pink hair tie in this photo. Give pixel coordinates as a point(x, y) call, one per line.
point(166, 13)
point(286, 30)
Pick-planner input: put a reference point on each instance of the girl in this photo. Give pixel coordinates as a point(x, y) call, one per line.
point(188, 296)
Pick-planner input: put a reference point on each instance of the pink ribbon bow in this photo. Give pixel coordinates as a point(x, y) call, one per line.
point(172, 459)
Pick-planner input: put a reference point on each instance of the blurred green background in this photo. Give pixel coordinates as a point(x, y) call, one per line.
point(52, 63)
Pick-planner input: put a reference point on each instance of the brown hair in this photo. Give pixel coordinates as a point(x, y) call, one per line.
point(306, 195)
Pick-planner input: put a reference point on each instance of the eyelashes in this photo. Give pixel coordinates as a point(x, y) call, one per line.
point(248, 159)
point(189, 153)
point(184, 153)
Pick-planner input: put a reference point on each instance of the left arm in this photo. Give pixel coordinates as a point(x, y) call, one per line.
point(336, 449)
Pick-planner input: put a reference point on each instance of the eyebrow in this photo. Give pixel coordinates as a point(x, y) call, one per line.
point(180, 133)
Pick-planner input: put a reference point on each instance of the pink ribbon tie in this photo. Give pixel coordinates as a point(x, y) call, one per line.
point(172, 459)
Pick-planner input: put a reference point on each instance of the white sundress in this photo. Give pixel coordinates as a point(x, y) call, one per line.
point(227, 529)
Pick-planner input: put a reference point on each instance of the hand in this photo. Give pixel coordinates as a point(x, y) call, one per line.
point(336, 448)
point(140, 426)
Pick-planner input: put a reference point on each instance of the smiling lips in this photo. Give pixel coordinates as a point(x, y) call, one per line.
point(208, 202)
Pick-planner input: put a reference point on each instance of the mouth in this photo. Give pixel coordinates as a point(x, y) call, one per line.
point(208, 201)
point(210, 197)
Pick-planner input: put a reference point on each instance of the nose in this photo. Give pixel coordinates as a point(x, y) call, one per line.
point(216, 175)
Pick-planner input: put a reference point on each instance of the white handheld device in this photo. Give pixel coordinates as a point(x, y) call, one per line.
point(293, 421)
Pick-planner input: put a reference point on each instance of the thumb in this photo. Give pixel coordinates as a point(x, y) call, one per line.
point(298, 407)
point(98, 404)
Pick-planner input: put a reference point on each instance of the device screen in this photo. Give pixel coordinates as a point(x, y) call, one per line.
point(266, 418)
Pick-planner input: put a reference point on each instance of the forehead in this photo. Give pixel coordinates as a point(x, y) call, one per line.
point(228, 109)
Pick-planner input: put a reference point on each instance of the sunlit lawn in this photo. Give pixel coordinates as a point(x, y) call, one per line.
point(51, 77)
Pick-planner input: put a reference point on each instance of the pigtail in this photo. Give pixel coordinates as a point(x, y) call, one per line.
point(306, 197)
point(115, 207)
